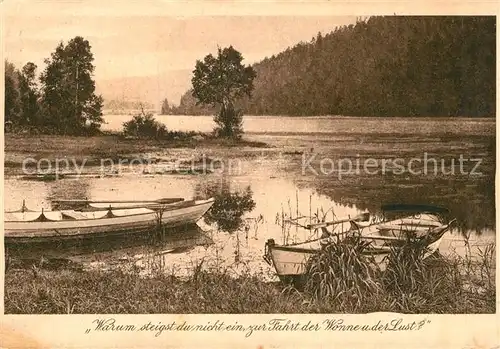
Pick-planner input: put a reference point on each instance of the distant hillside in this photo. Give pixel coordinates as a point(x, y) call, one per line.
point(113, 104)
point(384, 66)
point(147, 89)
point(188, 106)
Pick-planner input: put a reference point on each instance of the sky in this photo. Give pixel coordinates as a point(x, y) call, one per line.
point(155, 41)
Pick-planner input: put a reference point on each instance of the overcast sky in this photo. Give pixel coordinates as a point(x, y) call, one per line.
point(159, 38)
point(128, 39)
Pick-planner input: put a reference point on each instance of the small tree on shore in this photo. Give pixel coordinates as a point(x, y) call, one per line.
point(165, 107)
point(220, 81)
point(144, 125)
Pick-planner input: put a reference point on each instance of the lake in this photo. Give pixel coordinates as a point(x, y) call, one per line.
point(322, 124)
point(329, 166)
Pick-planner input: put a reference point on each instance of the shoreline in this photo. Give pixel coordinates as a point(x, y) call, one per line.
point(66, 289)
point(90, 151)
point(36, 289)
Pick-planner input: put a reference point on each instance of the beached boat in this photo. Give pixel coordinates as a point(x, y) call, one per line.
point(41, 226)
point(291, 261)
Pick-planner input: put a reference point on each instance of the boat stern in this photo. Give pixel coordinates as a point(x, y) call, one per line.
point(267, 251)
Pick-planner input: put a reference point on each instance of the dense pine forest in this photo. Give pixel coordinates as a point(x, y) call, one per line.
point(381, 66)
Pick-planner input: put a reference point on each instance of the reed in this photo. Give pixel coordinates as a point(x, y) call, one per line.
point(405, 271)
point(347, 281)
point(62, 291)
point(342, 274)
point(341, 280)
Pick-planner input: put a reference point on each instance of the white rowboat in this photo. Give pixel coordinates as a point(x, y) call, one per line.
point(34, 226)
point(291, 261)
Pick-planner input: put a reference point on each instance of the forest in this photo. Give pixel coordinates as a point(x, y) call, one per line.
point(381, 66)
point(62, 100)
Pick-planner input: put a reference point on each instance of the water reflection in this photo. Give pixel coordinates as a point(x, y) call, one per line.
point(69, 189)
point(247, 202)
point(88, 249)
point(468, 194)
point(229, 205)
point(472, 206)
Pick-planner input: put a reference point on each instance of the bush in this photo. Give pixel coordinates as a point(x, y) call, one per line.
point(229, 123)
point(144, 126)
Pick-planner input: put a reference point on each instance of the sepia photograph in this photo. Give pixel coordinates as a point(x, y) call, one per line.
point(157, 163)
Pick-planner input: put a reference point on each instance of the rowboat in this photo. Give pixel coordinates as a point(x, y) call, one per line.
point(291, 260)
point(76, 204)
point(41, 226)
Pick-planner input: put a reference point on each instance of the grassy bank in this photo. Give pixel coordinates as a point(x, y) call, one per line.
point(90, 150)
point(435, 285)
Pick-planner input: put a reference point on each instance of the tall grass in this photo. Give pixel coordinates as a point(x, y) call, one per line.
point(73, 291)
point(342, 278)
point(342, 274)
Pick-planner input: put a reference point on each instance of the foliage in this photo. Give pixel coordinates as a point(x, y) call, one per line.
point(165, 108)
point(29, 94)
point(230, 122)
point(21, 95)
point(409, 283)
point(69, 103)
point(220, 82)
point(383, 66)
point(48, 289)
point(189, 106)
point(12, 102)
point(405, 272)
point(341, 273)
point(144, 125)
point(229, 206)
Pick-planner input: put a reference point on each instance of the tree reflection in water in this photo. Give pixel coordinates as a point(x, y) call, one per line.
point(229, 205)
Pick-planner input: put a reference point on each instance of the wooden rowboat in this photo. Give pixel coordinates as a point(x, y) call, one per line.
point(40, 226)
point(291, 261)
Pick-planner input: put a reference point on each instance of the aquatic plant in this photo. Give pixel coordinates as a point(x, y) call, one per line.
point(341, 274)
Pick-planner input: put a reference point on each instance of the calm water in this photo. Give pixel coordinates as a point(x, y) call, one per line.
point(321, 124)
point(268, 183)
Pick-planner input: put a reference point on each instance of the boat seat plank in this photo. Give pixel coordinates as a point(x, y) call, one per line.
point(420, 222)
point(404, 227)
point(73, 215)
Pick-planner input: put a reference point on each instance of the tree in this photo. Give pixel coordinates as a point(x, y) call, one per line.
point(220, 81)
point(165, 108)
point(12, 103)
point(28, 94)
point(69, 102)
point(384, 66)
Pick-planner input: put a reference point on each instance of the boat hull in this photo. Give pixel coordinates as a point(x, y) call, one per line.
point(145, 220)
point(291, 261)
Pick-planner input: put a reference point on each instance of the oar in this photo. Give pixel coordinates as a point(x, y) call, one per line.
point(151, 206)
point(376, 237)
point(363, 217)
point(84, 201)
